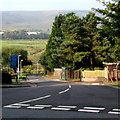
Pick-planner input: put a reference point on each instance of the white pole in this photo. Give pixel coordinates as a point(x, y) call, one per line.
point(21, 67)
point(18, 66)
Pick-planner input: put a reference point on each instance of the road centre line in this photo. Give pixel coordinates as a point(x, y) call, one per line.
point(40, 98)
point(83, 110)
point(65, 90)
point(94, 108)
point(45, 96)
point(67, 106)
point(70, 86)
point(56, 108)
point(20, 104)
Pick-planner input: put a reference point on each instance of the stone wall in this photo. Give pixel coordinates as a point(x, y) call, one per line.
point(58, 73)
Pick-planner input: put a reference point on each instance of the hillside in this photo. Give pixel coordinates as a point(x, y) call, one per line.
point(32, 20)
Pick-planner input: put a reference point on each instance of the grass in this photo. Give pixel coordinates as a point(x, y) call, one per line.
point(116, 85)
point(33, 47)
point(23, 77)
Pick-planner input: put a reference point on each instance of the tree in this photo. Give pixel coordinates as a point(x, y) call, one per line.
point(54, 42)
point(111, 27)
point(8, 51)
point(21, 34)
point(91, 23)
point(43, 61)
point(74, 41)
point(84, 42)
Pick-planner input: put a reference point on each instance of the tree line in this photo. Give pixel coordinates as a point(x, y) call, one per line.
point(85, 42)
point(22, 34)
point(9, 51)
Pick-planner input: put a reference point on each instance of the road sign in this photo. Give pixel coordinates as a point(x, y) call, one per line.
point(14, 61)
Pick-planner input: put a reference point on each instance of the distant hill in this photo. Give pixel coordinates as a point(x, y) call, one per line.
point(32, 20)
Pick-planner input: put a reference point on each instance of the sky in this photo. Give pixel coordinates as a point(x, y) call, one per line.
point(14, 5)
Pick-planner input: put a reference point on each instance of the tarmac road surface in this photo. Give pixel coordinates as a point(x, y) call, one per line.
point(56, 99)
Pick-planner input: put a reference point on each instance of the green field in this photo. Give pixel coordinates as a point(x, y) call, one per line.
point(34, 47)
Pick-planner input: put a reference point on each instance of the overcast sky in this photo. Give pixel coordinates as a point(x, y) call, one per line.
point(10, 5)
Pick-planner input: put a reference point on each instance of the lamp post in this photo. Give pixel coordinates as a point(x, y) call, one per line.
point(21, 67)
point(37, 67)
point(18, 65)
point(0, 66)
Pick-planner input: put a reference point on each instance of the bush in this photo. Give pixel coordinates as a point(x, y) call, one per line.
point(6, 78)
point(99, 68)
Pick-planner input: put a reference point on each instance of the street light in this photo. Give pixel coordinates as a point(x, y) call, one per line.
point(37, 66)
point(18, 65)
point(21, 67)
point(0, 66)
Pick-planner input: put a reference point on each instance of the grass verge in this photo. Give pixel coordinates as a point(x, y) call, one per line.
point(22, 77)
point(116, 85)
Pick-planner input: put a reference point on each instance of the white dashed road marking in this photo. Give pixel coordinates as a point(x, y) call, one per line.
point(112, 112)
point(116, 109)
point(63, 107)
point(56, 108)
point(24, 105)
point(83, 110)
point(43, 105)
point(60, 107)
point(10, 106)
point(94, 108)
point(30, 107)
point(67, 106)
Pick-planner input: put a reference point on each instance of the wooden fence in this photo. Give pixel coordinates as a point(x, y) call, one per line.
point(75, 74)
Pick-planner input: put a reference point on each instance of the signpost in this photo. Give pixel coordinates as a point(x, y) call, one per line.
point(13, 61)
point(14, 65)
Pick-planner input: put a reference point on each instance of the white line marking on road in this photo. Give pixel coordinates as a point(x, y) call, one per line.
point(83, 110)
point(118, 113)
point(94, 108)
point(64, 91)
point(43, 105)
point(116, 109)
point(10, 106)
point(55, 108)
point(67, 106)
point(70, 86)
point(40, 98)
point(30, 107)
point(18, 104)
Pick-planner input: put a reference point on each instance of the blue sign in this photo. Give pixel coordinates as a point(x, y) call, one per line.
point(14, 61)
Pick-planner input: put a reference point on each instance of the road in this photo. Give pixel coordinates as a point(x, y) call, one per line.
point(56, 99)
